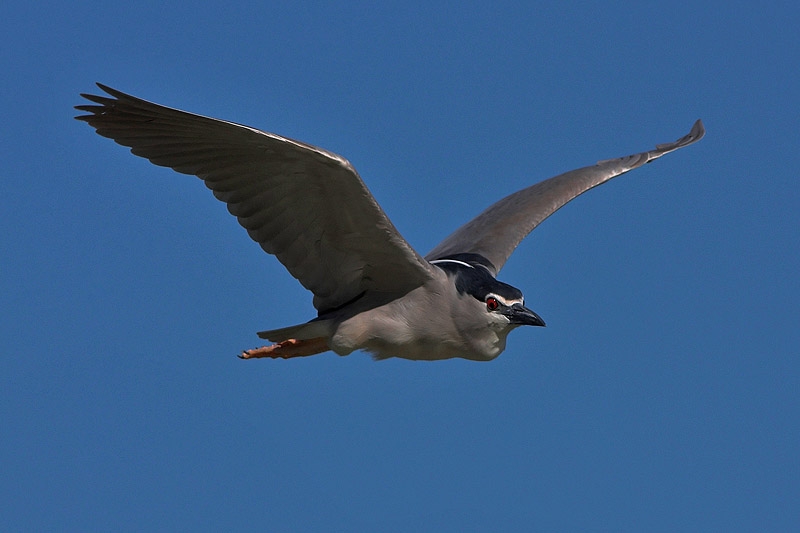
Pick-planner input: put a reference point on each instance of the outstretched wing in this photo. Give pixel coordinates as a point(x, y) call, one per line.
point(495, 233)
point(306, 206)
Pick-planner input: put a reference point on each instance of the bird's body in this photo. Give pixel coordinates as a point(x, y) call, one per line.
point(309, 207)
point(460, 327)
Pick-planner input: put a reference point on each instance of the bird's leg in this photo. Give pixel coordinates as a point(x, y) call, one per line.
point(288, 348)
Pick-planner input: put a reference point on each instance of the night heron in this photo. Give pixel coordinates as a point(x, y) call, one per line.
point(311, 209)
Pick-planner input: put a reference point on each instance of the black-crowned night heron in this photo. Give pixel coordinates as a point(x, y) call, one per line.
point(310, 208)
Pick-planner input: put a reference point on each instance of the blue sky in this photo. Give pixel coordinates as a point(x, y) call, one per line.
point(662, 396)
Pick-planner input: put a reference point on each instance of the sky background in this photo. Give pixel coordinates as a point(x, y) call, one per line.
point(664, 394)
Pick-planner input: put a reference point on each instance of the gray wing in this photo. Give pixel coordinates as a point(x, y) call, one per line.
point(497, 231)
point(306, 206)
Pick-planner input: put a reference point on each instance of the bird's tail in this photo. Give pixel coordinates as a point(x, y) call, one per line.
point(309, 330)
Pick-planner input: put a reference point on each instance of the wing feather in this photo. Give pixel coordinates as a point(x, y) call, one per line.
point(495, 233)
point(307, 206)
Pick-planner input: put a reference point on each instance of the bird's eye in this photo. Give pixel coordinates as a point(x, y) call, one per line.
point(492, 304)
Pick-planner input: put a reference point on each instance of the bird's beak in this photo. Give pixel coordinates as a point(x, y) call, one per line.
point(521, 315)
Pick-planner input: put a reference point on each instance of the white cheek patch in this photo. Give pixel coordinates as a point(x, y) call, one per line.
point(507, 302)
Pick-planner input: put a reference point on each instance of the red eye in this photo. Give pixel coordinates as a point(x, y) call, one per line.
point(492, 304)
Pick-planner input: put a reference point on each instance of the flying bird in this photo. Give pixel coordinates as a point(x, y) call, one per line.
point(310, 209)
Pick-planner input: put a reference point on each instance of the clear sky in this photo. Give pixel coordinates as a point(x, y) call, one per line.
point(664, 394)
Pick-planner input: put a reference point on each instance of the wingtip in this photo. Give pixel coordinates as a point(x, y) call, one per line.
point(698, 130)
point(695, 134)
point(119, 95)
point(106, 89)
point(103, 101)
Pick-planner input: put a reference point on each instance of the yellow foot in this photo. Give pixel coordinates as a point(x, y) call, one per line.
point(288, 348)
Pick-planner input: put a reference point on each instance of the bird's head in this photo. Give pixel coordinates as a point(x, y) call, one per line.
point(489, 301)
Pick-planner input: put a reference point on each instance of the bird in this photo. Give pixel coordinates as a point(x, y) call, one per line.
point(310, 208)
